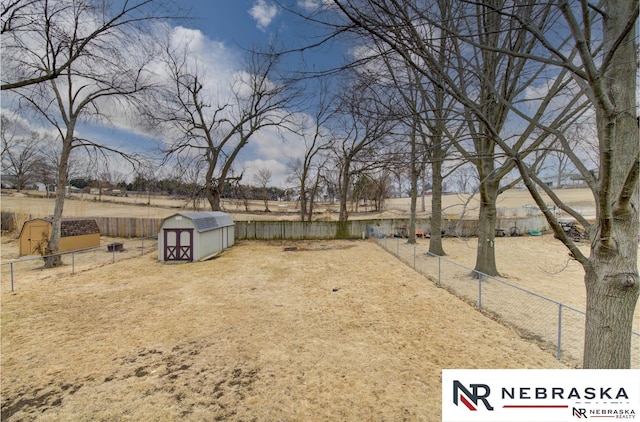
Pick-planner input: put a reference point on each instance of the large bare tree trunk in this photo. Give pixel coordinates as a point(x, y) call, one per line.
point(303, 200)
point(214, 198)
point(486, 255)
point(611, 274)
point(612, 294)
point(213, 191)
point(53, 246)
point(415, 177)
point(413, 206)
point(345, 180)
point(435, 242)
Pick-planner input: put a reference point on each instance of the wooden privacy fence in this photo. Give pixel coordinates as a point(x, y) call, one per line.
point(109, 226)
point(299, 230)
point(265, 230)
point(128, 227)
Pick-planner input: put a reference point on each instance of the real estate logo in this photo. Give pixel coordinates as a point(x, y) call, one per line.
point(470, 399)
point(539, 395)
point(580, 413)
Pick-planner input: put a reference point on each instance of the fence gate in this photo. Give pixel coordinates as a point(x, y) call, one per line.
point(178, 244)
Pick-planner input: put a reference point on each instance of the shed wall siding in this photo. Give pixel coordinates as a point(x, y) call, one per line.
point(208, 244)
point(72, 243)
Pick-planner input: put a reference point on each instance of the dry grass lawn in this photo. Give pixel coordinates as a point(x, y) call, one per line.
point(332, 331)
point(335, 330)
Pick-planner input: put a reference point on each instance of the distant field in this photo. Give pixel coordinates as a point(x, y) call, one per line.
point(511, 202)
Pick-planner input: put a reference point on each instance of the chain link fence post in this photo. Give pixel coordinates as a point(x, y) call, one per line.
point(559, 352)
point(414, 256)
point(479, 290)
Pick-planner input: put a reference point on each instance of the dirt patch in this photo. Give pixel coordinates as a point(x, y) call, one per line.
point(310, 246)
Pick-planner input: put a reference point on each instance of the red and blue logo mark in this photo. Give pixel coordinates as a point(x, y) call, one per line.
point(478, 393)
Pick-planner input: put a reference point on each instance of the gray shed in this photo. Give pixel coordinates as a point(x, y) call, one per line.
point(195, 236)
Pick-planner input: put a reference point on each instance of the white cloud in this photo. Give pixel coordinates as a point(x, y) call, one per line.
point(20, 126)
point(279, 172)
point(309, 5)
point(313, 5)
point(263, 13)
point(210, 57)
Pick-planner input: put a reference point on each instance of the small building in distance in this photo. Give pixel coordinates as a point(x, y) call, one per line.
point(195, 236)
point(75, 233)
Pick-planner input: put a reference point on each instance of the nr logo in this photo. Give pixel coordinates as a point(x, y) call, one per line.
point(580, 413)
point(478, 393)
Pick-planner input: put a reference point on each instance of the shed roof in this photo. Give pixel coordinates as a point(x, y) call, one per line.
point(207, 220)
point(70, 226)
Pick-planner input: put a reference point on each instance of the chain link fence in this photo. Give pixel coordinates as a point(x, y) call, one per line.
point(554, 326)
point(12, 273)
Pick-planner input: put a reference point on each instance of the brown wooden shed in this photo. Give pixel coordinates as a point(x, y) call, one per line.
point(76, 233)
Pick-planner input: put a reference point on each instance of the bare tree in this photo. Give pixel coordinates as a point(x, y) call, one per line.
point(29, 22)
point(217, 125)
point(263, 178)
point(607, 72)
point(365, 125)
point(98, 76)
point(465, 179)
point(191, 172)
point(596, 61)
point(381, 187)
point(307, 171)
point(45, 173)
point(20, 154)
point(427, 115)
point(146, 172)
point(581, 140)
point(490, 78)
point(308, 174)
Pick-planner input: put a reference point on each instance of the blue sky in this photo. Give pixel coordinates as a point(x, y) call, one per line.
point(243, 24)
point(230, 21)
point(221, 30)
point(227, 28)
point(240, 24)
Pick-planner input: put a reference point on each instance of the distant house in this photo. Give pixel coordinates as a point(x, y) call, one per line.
point(72, 189)
point(566, 180)
point(44, 187)
point(8, 181)
point(76, 233)
point(195, 236)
